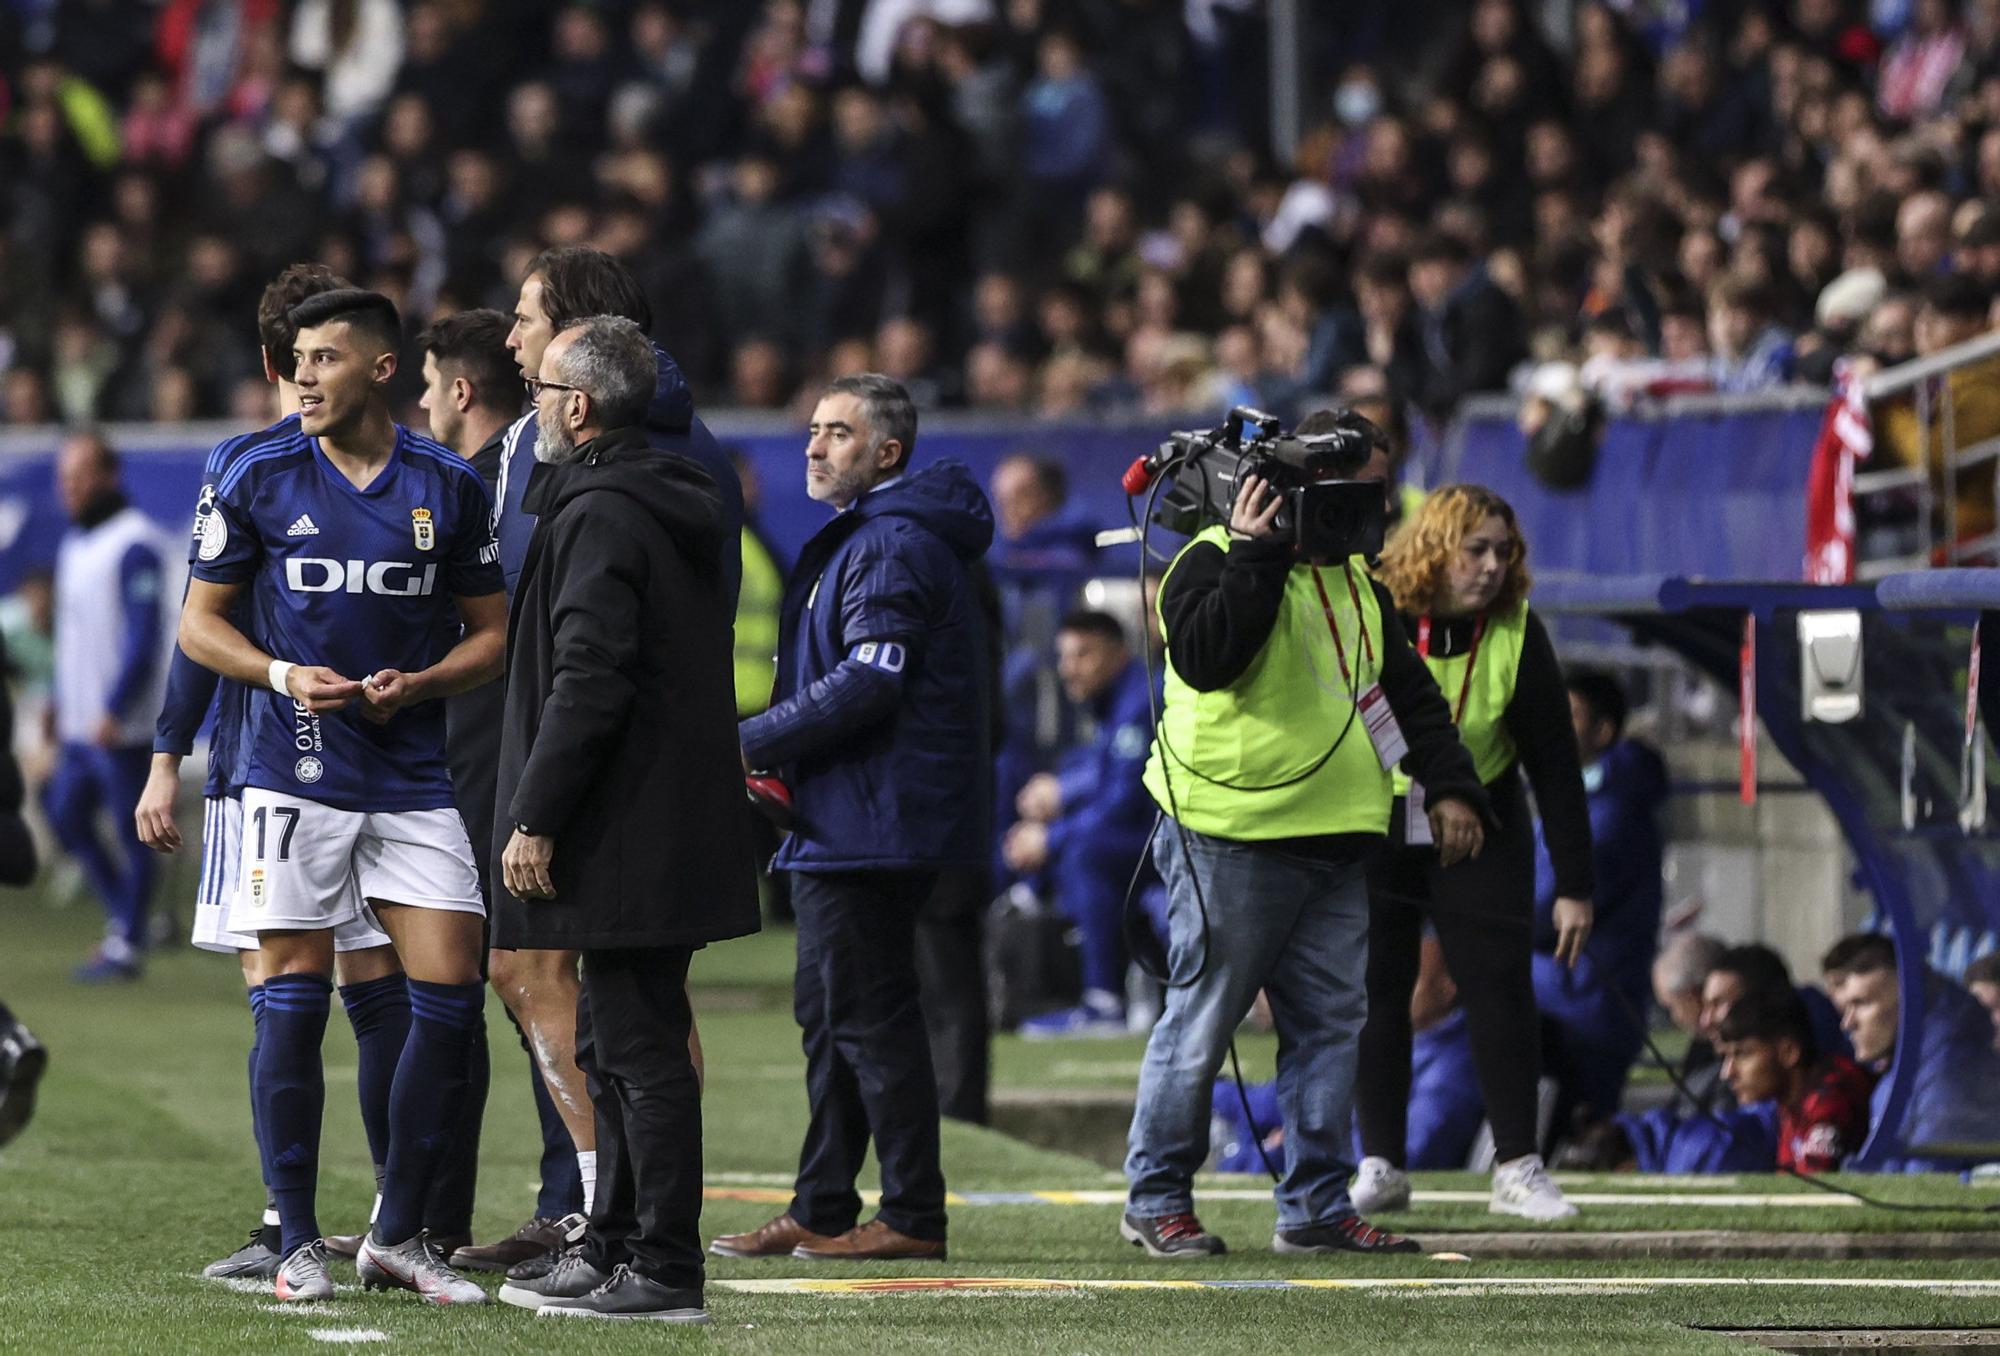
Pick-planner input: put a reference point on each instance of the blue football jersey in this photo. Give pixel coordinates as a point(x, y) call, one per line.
point(354, 580)
point(193, 692)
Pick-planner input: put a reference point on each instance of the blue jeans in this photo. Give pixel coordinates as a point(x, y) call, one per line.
point(1298, 929)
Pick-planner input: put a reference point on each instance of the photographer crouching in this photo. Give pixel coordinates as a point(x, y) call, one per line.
point(1288, 703)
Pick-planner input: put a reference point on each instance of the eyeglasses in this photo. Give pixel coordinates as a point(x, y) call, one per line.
point(536, 386)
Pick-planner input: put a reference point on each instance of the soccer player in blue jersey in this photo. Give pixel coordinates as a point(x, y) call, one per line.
point(371, 980)
point(355, 543)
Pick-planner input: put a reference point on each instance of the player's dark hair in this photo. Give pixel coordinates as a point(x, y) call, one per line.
point(1602, 693)
point(1771, 1015)
point(1862, 953)
point(275, 330)
point(370, 313)
point(1089, 622)
point(579, 282)
point(473, 345)
point(1985, 970)
point(1762, 969)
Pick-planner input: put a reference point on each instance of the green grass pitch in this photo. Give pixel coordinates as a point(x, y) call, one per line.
point(139, 1169)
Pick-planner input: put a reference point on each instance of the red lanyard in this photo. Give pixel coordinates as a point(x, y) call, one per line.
point(1360, 621)
point(1471, 658)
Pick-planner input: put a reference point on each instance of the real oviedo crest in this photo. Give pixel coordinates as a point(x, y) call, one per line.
point(422, 528)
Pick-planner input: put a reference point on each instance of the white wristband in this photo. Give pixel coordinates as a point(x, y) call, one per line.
point(280, 670)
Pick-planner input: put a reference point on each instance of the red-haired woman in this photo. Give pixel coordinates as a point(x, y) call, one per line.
point(1458, 571)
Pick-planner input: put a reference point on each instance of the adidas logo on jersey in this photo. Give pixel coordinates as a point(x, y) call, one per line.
point(304, 527)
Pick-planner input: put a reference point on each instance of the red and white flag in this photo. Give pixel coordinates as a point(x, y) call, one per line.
point(1845, 437)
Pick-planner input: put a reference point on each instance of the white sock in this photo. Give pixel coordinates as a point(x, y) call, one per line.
point(271, 1219)
point(376, 1213)
point(586, 1167)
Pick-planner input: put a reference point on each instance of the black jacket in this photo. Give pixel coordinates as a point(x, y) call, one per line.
point(621, 712)
point(472, 725)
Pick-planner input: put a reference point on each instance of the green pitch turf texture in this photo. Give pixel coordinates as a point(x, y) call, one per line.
point(139, 1169)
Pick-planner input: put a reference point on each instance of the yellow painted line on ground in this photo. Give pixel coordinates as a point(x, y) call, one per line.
point(1718, 1200)
point(1551, 1285)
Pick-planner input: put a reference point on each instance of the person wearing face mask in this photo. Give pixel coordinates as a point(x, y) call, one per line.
point(1458, 572)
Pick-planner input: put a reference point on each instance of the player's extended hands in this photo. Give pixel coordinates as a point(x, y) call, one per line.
point(1456, 830)
point(385, 692)
point(1573, 918)
point(155, 815)
point(321, 689)
point(524, 866)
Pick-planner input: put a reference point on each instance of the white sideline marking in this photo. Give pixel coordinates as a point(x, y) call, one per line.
point(1442, 1285)
point(347, 1335)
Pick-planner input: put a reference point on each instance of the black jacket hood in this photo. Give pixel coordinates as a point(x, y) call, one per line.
point(675, 490)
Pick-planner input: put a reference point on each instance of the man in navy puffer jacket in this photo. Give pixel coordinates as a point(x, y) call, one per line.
point(879, 726)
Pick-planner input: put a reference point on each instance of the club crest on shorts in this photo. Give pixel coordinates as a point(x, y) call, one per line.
point(420, 524)
point(256, 887)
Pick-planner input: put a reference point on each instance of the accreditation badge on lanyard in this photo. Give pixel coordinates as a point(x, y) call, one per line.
point(1373, 704)
point(1416, 819)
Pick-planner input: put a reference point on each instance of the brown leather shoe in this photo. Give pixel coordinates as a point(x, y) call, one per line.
point(774, 1239)
point(537, 1238)
point(872, 1242)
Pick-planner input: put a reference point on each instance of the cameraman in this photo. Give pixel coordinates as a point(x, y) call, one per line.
point(1272, 762)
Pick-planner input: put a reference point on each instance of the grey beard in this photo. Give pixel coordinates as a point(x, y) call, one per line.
point(553, 443)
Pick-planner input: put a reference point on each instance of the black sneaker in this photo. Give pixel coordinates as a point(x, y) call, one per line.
point(630, 1296)
point(1353, 1234)
point(255, 1260)
point(22, 1063)
point(1170, 1235)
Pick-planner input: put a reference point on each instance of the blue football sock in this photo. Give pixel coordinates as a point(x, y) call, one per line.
point(270, 1235)
point(379, 1011)
point(424, 1103)
point(291, 1094)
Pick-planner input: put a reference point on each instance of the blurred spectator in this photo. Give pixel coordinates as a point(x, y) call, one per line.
point(1954, 1095)
point(1751, 351)
point(1084, 828)
point(357, 45)
point(110, 672)
point(1594, 1011)
point(1470, 330)
point(1982, 981)
point(1953, 309)
point(1040, 558)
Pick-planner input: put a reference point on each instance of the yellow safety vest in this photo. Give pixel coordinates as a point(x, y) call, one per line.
point(1239, 763)
point(757, 606)
point(1485, 676)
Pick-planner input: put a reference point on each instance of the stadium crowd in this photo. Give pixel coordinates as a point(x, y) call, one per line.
point(1055, 207)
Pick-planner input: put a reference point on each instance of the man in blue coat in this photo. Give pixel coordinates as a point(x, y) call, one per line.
point(1594, 1010)
point(878, 725)
point(1955, 1089)
point(1086, 826)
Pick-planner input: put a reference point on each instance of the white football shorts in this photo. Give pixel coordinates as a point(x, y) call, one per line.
point(306, 866)
point(222, 868)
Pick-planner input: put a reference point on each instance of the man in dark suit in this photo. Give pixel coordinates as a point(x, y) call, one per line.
point(619, 802)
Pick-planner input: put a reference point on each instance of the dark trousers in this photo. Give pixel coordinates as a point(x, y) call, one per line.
point(632, 1022)
point(1480, 910)
point(868, 1058)
point(951, 975)
point(89, 782)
